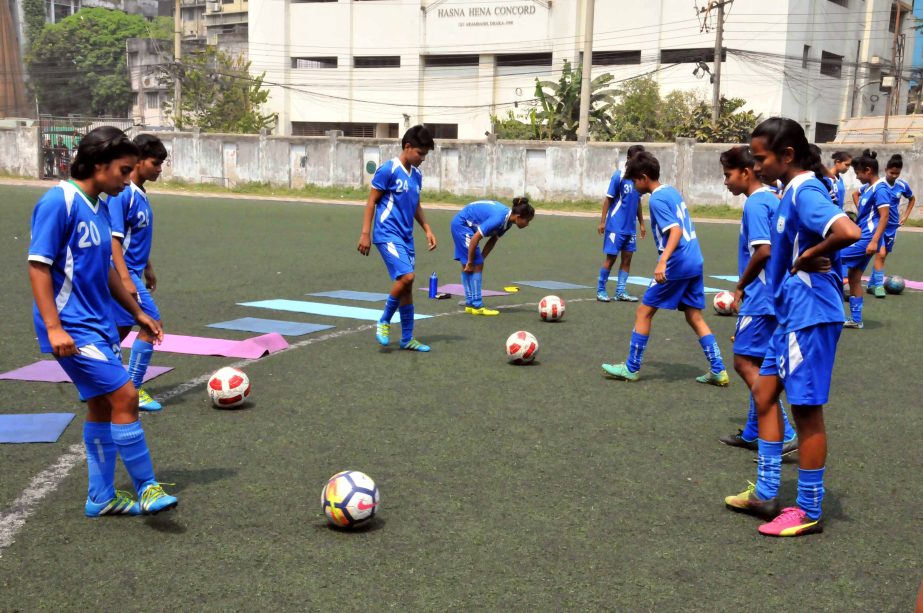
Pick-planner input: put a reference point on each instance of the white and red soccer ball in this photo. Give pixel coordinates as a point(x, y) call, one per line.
point(724, 302)
point(228, 388)
point(521, 347)
point(349, 498)
point(551, 308)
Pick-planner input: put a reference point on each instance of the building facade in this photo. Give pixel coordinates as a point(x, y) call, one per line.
point(372, 68)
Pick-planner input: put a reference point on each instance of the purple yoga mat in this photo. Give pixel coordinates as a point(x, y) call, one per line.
point(50, 371)
point(456, 289)
point(910, 284)
point(251, 348)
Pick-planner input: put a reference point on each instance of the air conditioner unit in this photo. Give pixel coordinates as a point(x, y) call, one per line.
point(214, 7)
point(875, 60)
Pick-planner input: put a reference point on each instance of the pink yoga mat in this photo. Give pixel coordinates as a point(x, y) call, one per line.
point(910, 284)
point(251, 348)
point(456, 289)
point(50, 371)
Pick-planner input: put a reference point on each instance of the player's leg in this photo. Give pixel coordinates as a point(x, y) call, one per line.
point(461, 237)
point(628, 370)
point(142, 349)
point(876, 284)
point(406, 309)
point(717, 375)
point(477, 275)
point(399, 266)
point(855, 298)
point(601, 293)
point(627, 246)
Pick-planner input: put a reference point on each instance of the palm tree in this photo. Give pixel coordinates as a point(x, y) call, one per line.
point(558, 115)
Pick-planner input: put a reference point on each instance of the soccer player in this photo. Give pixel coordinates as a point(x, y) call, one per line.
point(825, 175)
point(842, 160)
point(678, 277)
point(394, 202)
point(807, 232)
point(73, 286)
point(899, 189)
point(621, 207)
point(874, 205)
point(756, 319)
point(132, 223)
point(484, 218)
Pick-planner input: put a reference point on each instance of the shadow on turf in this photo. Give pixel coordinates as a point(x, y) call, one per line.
point(165, 523)
point(374, 525)
point(201, 476)
point(671, 371)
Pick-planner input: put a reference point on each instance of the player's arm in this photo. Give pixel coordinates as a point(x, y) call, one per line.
point(150, 277)
point(660, 272)
point(607, 202)
point(421, 219)
point(121, 295)
point(43, 291)
point(118, 260)
point(874, 244)
point(488, 247)
point(641, 220)
point(365, 237)
point(756, 265)
point(472, 248)
point(910, 204)
point(842, 233)
point(855, 198)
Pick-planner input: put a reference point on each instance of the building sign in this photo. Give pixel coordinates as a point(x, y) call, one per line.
point(455, 21)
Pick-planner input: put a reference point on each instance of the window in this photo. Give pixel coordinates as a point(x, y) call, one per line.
point(523, 59)
point(152, 100)
point(377, 61)
point(433, 61)
point(319, 128)
point(691, 56)
point(892, 21)
point(314, 62)
point(824, 132)
point(616, 58)
point(443, 130)
point(804, 56)
point(831, 64)
point(844, 3)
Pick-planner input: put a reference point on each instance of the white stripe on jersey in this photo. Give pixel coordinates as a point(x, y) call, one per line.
point(387, 212)
point(794, 353)
point(67, 287)
point(92, 352)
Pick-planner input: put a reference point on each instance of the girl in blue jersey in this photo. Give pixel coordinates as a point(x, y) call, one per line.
point(621, 207)
point(132, 236)
point(73, 286)
point(872, 219)
point(807, 232)
point(393, 204)
point(679, 283)
point(842, 160)
point(899, 189)
point(490, 219)
point(756, 319)
point(825, 175)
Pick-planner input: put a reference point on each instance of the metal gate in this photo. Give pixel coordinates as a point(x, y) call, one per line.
point(60, 137)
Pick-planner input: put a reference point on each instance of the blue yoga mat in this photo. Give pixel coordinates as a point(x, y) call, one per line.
point(265, 326)
point(646, 282)
point(320, 308)
point(731, 278)
point(33, 427)
point(346, 294)
point(551, 285)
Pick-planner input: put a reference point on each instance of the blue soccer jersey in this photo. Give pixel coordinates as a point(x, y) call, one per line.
point(489, 217)
point(133, 223)
point(755, 230)
point(71, 234)
point(623, 210)
point(840, 192)
point(899, 190)
point(668, 211)
point(398, 204)
point(830, 184)
point(803, 218)
point(871, 200)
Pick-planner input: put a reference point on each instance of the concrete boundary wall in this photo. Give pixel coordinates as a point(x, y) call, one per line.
point(21, 152)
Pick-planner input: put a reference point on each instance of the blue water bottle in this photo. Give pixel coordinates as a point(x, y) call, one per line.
point(433, 285)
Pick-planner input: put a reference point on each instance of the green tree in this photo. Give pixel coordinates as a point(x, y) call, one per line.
point(674, 111)
point(635, 115)
point(732, 126)
point(558, 114)
point(34, 17)
point(511, 128)
point(218, 94)
point(78, 65)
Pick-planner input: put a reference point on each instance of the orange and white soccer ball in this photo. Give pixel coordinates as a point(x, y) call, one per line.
point(723, 302)
point(551, 308)
point(228, 388)
point(521, 347)
point(350, 498)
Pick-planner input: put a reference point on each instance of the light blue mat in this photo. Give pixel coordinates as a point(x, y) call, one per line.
point(646, 282)
point(346, 294)
point(731, 278)
point(34, 427)
point(551, 285)
point(265, 326)
point(320, 308)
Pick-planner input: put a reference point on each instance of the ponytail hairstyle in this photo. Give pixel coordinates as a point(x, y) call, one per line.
point(896, 161)
point(868, 160)
point(737, 158)
point(842, 156)
point(522, 208)
point(820, 171)
point(101, 146)
point(781, 133)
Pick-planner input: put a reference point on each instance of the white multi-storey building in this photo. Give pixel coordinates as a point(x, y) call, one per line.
point(372, 67)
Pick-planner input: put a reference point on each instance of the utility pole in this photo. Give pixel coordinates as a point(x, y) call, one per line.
point(719, 41)
point(894, 90)
point(583, 129)
point(177, 64)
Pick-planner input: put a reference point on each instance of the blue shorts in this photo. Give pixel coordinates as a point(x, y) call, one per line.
point(677, 295)
point(753, 334)
point(461, 235)
point(803, 360)
point(616, 242)
point(123, 317)
point(854, 256)
point(96, 371)
point(398, 257)
point(889, 242)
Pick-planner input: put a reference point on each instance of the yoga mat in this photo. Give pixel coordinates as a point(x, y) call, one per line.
point(49, 371)
point(320, 308)
point(255, 347)
point(646, 282)
point(552, 285)
point(907, 284)
point(33, 428)
point(457, 289)
point(255, 324)
point(346, 294)
point(731, 278)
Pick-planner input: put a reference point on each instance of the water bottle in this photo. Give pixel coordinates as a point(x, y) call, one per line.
point(433, 285)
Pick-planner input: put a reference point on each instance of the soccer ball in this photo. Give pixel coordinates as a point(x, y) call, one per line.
point(228, 388)
point(551, 308)
point(521, 347)
point(349, 498)
point(723, 302)
point(894, 284)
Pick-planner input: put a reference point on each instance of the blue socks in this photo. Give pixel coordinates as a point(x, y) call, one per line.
point(877, 279)
point(466, 283)
point(476, 300)
point(390, 308)
point(141, 352)
point(810, 491)
point(623, 279)
point(101, 455)
point(406, 322)
point(855, 309)
point(712, 352)
point(751, 430)
point(129, 440)
point(603, 279)
point(636, 351)
point(768, 469)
